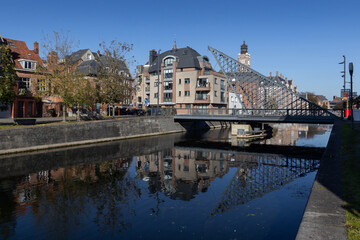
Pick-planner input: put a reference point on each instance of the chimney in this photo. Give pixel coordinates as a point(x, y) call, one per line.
point(106, 53)
point(152, 56)
point(36, 47)
point(270, 74)
point(98, 53)
point(52, 58)
point(277, 73)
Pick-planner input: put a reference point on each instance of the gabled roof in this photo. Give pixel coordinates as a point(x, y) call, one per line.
point(322, 98)
point(76, 56)
point(91, 67)
point(19, 50)
point(187, 58)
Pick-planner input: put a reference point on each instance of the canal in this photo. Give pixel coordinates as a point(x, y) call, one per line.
point(207, 185)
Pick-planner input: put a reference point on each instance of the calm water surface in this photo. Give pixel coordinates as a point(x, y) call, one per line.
point(192, 186)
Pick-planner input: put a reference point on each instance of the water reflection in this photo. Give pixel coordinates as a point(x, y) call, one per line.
point(155, 186)
point(181, 173)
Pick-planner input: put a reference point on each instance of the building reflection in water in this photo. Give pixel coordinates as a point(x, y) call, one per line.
point(181, 173)
point(107, 192)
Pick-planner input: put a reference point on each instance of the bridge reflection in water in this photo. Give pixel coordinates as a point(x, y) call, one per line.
point(114, 193)
point(183, 172)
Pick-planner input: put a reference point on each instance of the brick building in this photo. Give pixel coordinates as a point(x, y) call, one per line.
point(26, 62)
point(186, 80)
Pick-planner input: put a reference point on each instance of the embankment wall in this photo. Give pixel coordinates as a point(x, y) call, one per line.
point(72, 134)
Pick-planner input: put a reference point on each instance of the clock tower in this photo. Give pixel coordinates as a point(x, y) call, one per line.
point(244, 56)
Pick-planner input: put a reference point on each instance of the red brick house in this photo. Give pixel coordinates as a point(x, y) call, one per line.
point(26, 61)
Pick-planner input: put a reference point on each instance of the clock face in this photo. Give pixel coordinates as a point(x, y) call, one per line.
point(242, 61)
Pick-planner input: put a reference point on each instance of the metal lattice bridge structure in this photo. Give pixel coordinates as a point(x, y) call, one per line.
point(256, 178)
point(262, 98)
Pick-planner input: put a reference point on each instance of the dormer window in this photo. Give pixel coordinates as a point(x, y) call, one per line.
point(27, 65)
point(169, 61)
point(88, 56)
point(31, 65)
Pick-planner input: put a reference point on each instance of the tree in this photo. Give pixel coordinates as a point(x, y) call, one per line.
point(60, 75)
point(114, 79)
point(7, 78)
point(313, 98)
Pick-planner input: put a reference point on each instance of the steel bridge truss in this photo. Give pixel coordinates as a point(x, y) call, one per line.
point(261, 95)
point(255, 179)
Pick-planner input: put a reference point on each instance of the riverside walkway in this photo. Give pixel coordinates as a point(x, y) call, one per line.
point(324, 216)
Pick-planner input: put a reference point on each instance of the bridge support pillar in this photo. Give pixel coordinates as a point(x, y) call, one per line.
point(240, 129)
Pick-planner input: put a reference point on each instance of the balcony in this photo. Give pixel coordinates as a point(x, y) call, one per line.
point(168, 87)
point(202, 98)
point(147, 80)
point(147, 90)
point(202, 86)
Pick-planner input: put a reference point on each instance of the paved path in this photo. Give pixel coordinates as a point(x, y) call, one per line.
point(324, 216)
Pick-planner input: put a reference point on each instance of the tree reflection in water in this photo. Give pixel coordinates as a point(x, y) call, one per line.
point(101, 197)
point(101, 192)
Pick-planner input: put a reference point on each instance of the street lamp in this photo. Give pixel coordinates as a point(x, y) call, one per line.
point(344, 76)
point(351, 70)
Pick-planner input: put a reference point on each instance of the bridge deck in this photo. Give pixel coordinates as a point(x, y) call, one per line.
point(249, 118)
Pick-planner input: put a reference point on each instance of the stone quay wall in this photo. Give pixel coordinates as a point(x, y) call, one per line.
point(41, 137)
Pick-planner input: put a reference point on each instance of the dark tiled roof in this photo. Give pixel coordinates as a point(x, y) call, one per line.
point(76, 56)
point(91, 67)
point(187, 58)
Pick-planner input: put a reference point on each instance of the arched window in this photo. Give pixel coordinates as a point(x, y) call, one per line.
point(169, 61)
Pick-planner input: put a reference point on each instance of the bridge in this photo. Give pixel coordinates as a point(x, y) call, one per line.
point(262, 99)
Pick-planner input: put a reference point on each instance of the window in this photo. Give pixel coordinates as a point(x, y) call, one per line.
point(187, 105)
point(180, 81)
point(222, 85)
point(28, 65)
point(179, 93)
point(156, 84)
point(232, 98)
point(139, 99)
point(41, 85)
point(215, 93)
point(168, 86)
point(168, 62)
point(215, 80)
point(187, 93)
point(187, 80)
point(222, 97)
point(88, 56)
point(156, 95)
point(24, 83)
point(168, 73)
point(167, 97)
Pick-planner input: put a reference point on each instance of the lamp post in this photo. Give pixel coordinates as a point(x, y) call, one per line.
point(344, 76)
point(351, 70)
point(158, 82)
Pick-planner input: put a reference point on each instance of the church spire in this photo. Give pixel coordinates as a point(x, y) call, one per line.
point(244, 48)
point(174, 47)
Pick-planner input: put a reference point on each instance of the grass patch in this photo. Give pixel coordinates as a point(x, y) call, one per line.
point(9, 126)
point(351, 180)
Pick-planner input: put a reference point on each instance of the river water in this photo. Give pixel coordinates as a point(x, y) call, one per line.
point(204, 185)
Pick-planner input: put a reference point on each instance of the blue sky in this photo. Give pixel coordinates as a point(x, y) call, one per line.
point(304, 40)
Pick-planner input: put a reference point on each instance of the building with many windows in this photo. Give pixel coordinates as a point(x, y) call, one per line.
point(26, 61)
point(180, 78)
